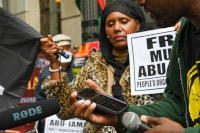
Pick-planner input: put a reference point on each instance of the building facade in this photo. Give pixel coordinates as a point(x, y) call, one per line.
point(29, 11)
point(64, 16)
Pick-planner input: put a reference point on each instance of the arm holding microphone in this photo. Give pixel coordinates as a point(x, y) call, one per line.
point(50, 50)
point(162, 124)
point(51, 86)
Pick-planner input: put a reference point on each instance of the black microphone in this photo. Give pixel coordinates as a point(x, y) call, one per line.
point(132, 121)
point(28, 113)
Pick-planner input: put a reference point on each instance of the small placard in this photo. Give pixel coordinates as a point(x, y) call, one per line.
point(149, 55)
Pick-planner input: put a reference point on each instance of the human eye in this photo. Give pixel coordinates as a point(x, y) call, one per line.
point(110, 23)
point(124, 21)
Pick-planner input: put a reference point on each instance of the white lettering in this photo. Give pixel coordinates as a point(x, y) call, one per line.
point(28, 100)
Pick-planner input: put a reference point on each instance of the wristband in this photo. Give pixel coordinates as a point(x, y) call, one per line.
point(56, 70)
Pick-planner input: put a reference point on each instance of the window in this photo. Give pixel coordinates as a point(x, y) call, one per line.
point(5, 4)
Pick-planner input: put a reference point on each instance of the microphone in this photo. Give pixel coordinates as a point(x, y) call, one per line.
point(132, 121)
point(28, 113)
point(61, 52)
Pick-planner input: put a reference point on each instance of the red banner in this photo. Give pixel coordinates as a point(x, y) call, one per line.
point(82, 54)
point(86, 49)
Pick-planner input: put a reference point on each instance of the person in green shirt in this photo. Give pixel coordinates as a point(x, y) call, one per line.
point(179, 111)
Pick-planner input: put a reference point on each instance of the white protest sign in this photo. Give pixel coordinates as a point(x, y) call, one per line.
point(55, 125)
point(149, 54)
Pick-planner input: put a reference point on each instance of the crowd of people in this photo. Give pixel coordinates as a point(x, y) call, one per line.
point(177, 110)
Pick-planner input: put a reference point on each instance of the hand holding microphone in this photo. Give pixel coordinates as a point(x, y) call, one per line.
point(62, 53)
point(161, 124)
point(51, 49)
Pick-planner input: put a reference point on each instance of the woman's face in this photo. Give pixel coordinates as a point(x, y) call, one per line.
point(118, 26)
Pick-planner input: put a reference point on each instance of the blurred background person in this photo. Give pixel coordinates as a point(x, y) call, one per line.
point(74, 51)
point(41, 60)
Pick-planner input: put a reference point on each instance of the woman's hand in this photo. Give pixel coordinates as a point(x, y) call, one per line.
point(49, 48)
point(162, 125)
point(84, 109)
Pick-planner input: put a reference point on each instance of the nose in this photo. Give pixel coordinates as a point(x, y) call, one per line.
point(118, 27)
point(141, 2)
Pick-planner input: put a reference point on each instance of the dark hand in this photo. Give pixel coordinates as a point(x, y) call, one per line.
point(162, 125)
point(84, 109)
point(49, 48)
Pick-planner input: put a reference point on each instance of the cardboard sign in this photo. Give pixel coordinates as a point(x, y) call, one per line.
point(149, 55)
point(55, 125)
